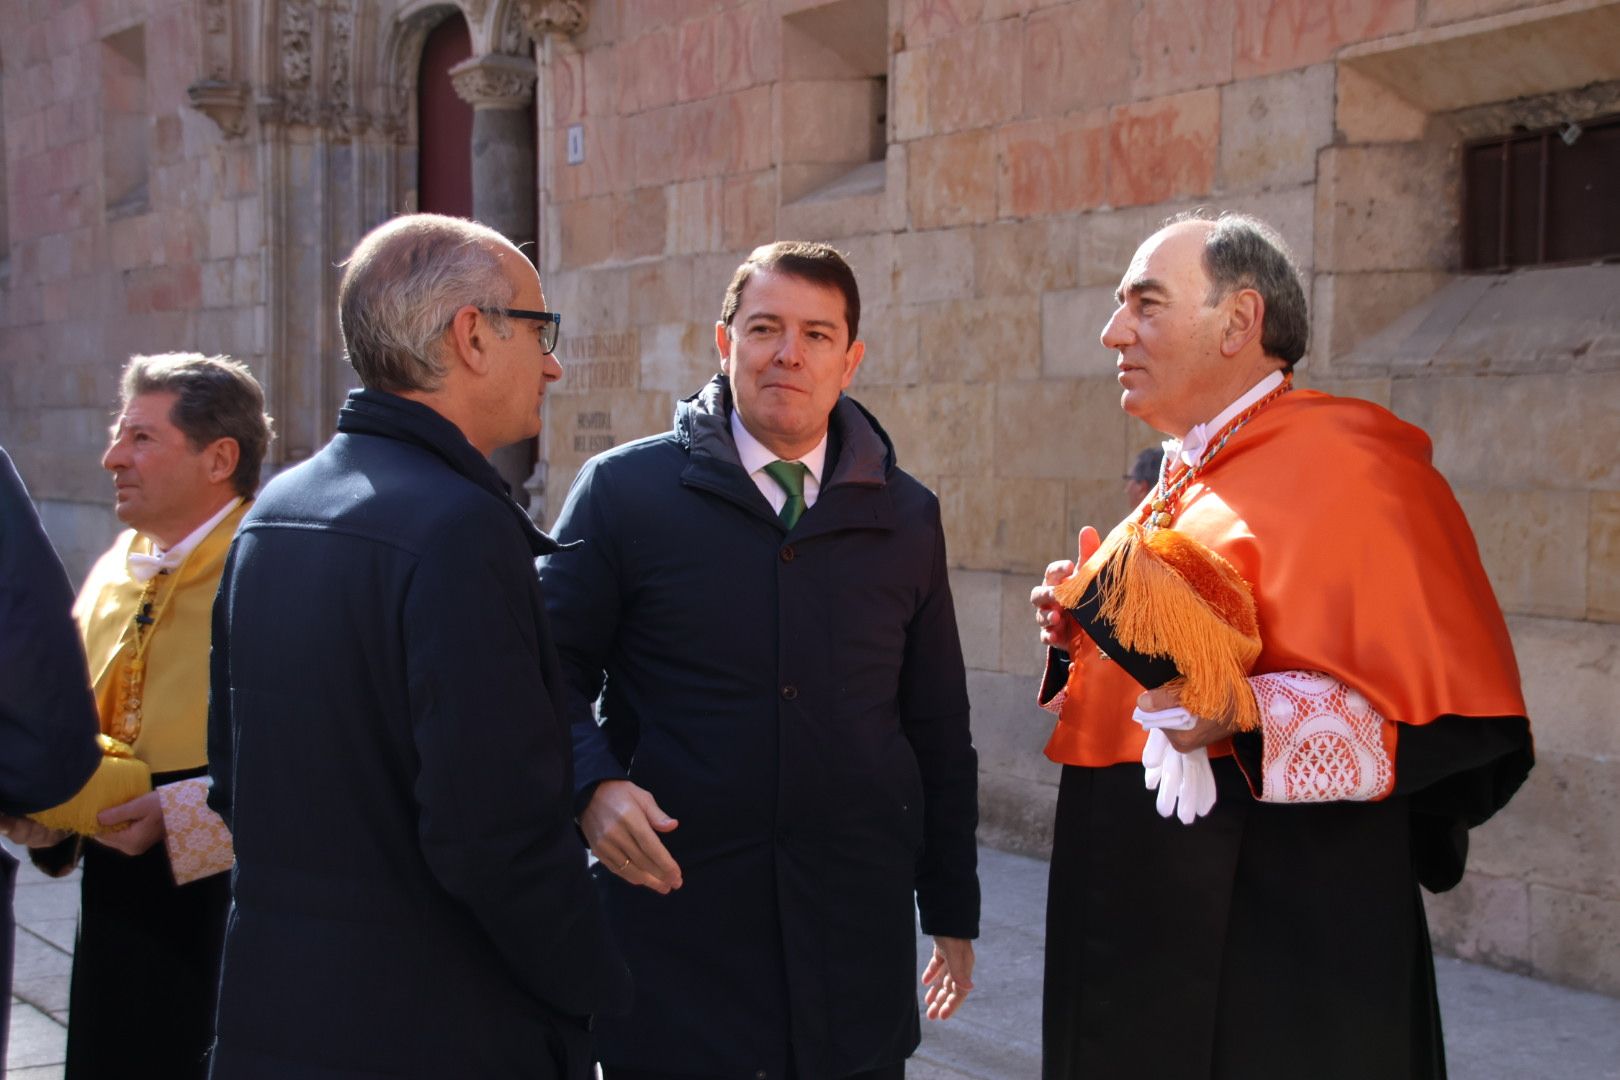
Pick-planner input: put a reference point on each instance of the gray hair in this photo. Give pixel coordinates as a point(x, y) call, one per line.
point(403, 285)
point(1243, 252)
point(215, 398)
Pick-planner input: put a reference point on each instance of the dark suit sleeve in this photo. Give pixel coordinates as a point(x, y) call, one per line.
point(583, 601)
point(934, 716)
point(493, 788)
point(48, 719)
point(221, 731)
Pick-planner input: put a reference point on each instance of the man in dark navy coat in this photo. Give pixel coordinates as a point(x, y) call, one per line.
point(411, 897)
point(47, 717)
point(783, 773)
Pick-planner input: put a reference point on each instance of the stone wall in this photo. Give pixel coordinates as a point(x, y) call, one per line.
point(989, 166)
point(187, 174)
point(144, 245)
point(1030, 146)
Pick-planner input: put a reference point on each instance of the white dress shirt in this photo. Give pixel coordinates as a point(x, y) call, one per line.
point(1194, 445)
point(755, 457)
point(144, 568)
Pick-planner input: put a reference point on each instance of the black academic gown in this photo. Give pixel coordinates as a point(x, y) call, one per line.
point(47, 716)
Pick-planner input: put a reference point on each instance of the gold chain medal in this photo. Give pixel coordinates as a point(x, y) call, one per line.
point(1161, 509)
point(126, 722)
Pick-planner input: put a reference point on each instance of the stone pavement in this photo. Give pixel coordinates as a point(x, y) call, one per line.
point(1498, 1026)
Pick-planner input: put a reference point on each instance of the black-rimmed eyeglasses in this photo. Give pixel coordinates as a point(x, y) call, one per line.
point(550, 323)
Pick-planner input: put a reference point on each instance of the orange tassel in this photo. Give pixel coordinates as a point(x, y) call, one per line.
point(1168, 595)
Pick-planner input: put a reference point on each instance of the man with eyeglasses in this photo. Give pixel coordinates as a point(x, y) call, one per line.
point(783, 777)
point(411, 897)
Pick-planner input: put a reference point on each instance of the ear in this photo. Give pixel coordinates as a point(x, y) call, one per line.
point(1245, 319)
point(221, 457)
point(852, 361)
point(722, 345)
point(466, 339)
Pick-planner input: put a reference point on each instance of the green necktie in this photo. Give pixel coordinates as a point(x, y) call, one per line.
point(790, 475)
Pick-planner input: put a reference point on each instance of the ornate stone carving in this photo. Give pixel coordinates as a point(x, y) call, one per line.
point(217, 43)
point(297, 44)
point(513, 32)
point(565, 17)
point(218, 93)
point(338, 111)
point(495, 81)
point(225, 103)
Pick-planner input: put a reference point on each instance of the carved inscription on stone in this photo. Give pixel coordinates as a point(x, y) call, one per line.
point(593, 431)
point(600, 361)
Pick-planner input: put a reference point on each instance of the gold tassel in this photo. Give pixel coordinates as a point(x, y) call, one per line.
point(1168, 595)
point(120, 777)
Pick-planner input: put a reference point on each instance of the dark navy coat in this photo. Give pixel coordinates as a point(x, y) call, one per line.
point(797, 701)
point(47, 715)
point(385, 736)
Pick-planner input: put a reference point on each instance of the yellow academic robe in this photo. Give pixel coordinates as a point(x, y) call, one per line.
point(174, 716)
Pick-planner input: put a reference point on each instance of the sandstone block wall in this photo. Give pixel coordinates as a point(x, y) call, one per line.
point(131, 226)
point(1030, 146)
point(989, 166)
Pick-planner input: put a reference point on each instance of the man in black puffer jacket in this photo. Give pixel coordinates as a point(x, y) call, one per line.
point(784, 773)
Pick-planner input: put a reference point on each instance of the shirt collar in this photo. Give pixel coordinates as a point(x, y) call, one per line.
point(1195, 444)
point(144, 568)
point(755, 456)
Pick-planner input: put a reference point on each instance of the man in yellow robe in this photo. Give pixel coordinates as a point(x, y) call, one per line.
point(185, 456)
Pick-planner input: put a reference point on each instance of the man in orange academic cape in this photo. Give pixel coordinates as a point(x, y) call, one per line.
point(1234, 889)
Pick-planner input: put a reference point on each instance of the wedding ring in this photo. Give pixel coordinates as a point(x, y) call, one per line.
point(624, 864)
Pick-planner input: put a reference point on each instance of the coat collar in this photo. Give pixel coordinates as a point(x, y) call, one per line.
point(865, 452)
point(854, 494)
point(388, 416)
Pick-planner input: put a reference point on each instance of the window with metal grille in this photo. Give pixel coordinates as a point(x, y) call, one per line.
point(1539, 197)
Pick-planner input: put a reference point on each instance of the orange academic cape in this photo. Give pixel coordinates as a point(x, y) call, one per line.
point(1361, 564)
point(1272, 941)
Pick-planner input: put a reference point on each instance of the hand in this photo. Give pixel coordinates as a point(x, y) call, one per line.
point(621, 824)
point(29, 833)
point(1203, 730)
point(948, 976)
point(1058, 628)
point(142, 818)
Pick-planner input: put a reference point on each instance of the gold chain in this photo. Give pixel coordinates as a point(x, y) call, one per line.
point(1162, 507)
point(127, 712)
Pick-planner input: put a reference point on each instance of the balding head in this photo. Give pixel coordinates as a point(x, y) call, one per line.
point(402, 285)
point(1193, 329)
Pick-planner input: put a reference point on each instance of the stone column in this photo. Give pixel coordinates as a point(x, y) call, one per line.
point(499, 88)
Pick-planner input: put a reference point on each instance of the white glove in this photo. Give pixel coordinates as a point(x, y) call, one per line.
point(1185, 782)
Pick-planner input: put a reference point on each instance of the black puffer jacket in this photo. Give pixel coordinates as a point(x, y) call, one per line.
point(797, 701)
